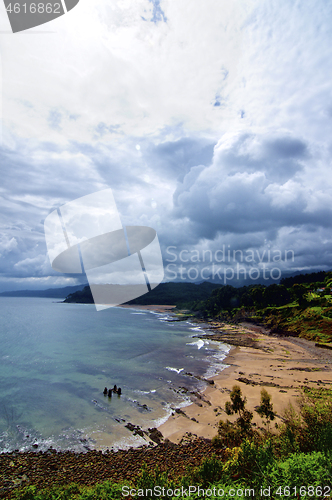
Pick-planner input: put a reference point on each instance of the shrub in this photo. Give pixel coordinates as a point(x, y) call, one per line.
point(232, 434)
point(210, 471)
point(249, 462)
point(298, 470)
point(311, 428)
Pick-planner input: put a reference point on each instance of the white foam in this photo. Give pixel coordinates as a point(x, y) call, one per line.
point(199, 343)
point(196, 329)
point(177, 370)
point(217, 358)
point(139, 391)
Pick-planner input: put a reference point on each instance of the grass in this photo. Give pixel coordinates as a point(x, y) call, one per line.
point(313, 322)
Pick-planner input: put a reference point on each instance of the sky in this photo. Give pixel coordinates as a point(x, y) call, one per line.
point(211, 121)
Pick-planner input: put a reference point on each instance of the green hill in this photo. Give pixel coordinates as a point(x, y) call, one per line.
point(179, 294)
point(299, 306)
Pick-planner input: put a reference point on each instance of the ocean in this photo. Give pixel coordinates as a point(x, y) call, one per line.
point(56, 359)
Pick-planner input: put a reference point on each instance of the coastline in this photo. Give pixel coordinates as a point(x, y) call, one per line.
point(257, 359)
point(281, 365)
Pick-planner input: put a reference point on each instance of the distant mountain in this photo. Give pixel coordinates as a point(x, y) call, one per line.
point(51, 293)
point(163, 294)
point(166, 293)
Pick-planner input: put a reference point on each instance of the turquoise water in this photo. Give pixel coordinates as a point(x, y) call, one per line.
point(56, 359)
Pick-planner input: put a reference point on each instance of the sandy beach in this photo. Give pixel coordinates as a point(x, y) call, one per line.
point(156, 308)
point(282, 365)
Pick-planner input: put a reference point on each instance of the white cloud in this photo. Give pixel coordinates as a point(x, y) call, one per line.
point(7, 245)
point(104, 63)
point(36, 266)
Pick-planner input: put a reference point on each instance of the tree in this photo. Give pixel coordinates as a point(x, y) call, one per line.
point(276, 295)
point(265, 410)
point(257, 294)
point(300, 293)
point(237, 405)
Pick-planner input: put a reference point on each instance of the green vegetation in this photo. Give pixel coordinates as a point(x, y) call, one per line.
point(265, 409)
point(291, 462)
point(299, 306)
point(179, 294)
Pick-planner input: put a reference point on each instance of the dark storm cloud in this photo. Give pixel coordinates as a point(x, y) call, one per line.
point(286, 147)
point(176, 158)
point(254, 184)
point(247, 191)
point(278, 158)
point(42, 176)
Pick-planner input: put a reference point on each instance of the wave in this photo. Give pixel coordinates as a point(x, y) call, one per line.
point(216, 364)
point(138, 391)
point(177, 370)
point(200, 343)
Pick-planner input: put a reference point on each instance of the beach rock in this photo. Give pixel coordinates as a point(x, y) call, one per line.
point(155, 435)
point(119, 391)
point(130, 426)
point(91, 467)
point(246, 381)
point(180, 412)
point(188, 438)
point(138, 432)
point(143, 407)
point(135, 429)
point(105, 391)
point(197, 394)
point(109, 393)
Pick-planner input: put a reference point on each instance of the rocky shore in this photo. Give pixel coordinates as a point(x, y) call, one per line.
point(52, 467)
